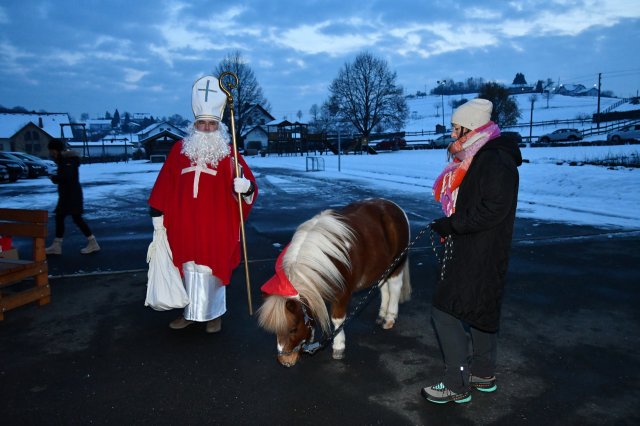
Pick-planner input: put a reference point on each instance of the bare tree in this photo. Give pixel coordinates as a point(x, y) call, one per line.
point(366, 95)
point(247, 94)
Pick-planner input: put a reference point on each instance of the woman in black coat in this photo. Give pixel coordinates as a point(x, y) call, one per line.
point(478, 191)
point(70, 200)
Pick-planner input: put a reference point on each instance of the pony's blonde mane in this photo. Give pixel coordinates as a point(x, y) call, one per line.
point(309, 265)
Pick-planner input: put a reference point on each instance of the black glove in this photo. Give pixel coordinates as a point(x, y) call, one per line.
point(443, 226)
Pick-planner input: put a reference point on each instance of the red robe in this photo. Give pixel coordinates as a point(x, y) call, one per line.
point(205, 229)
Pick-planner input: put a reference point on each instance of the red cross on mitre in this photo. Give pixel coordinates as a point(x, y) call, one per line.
point(207, 99)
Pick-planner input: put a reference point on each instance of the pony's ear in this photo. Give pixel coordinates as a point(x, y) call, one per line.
point(291, 305)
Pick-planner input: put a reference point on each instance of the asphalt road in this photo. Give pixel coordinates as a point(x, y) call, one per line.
point(569, 343)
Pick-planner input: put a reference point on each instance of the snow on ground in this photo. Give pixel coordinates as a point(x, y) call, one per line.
point(550, 188)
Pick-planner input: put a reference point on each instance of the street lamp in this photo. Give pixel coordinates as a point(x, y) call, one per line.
point(442, 83)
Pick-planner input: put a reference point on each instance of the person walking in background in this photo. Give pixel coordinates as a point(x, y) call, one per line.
point(478, 191)
point(70, 199)
point(195, 199)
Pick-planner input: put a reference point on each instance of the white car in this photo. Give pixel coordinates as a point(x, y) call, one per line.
point(561, 135)
point(626, 133)
point(442, 141)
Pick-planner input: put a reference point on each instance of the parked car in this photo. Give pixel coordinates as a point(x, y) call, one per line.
point(561, 135)
point(391, 144)
point(626, 133)
point(4, 173)
point(34, 168)
point(49, 165)
point(516, 135)
point(442, 141)
point(16, 169)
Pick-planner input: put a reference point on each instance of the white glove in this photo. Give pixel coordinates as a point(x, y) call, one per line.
point(158, 223)
point(241, 185)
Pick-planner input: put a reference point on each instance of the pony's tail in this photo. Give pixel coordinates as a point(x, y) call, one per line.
point(405, 291)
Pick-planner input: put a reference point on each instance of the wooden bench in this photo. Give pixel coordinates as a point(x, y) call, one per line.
point(31, 224)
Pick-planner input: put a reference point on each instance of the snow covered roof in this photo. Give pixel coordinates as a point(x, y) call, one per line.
point(12, 122)
point(254, 128)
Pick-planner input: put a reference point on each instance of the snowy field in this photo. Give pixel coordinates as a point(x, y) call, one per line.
point(426, 112)
point(550, 188)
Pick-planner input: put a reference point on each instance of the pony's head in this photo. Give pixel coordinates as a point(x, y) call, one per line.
point(314, 263)
point(289, 319)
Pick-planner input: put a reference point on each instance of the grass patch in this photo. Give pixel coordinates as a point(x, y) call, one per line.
point(631, 160)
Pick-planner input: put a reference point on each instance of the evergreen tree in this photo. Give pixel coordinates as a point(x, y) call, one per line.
point(505, 110)
point(519, 79)
point(115, 121)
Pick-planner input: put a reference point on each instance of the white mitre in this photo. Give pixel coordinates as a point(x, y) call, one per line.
point(207, 99)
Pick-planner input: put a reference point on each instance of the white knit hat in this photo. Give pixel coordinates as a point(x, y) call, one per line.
point(473, 114)
point(207, 99)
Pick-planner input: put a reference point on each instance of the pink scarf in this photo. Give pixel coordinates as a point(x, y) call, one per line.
point(445, 188)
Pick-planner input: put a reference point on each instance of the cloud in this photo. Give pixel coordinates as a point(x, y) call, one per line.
point(68, 58)
point(567, 18)
point(475, 13)
point(194, 35)
point(132, 75)
point(315, 39)
point(11, 62)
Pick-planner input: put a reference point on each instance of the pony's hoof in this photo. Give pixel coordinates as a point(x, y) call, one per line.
point(388, 324)
point(380, 320)
point(338, 353)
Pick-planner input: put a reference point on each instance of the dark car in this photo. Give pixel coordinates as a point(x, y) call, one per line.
point(16, 170)
point(49, 166)
point(34, 169)
point(391, 144)
point(517, 136)
point(4, 173)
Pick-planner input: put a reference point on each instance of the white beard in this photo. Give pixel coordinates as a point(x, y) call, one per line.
point(206, 148)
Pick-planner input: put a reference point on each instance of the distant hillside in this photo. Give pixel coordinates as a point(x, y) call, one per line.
point(426, 112)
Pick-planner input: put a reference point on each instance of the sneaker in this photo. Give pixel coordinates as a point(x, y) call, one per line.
point(483, 384)
point(214, 326)
point(180, 323)
point(440, 394)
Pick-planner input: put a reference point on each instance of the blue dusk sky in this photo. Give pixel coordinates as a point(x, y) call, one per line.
point(92, 56)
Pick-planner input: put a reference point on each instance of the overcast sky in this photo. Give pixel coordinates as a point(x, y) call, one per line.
point(93, 56)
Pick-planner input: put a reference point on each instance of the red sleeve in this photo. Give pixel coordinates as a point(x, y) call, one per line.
point(163, 186)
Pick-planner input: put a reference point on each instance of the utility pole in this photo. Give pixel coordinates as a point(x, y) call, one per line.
point(598, 111)
point(442, 84)
point(532, 98)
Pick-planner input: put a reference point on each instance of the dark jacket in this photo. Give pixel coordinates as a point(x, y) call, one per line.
point(68, 180)
point(475, 277)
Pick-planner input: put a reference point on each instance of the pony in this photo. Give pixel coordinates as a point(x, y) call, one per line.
point(331, 256)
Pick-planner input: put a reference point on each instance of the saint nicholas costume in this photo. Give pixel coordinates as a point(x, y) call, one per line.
point(200, 212)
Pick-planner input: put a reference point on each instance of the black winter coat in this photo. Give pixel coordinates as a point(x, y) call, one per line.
point(70, 200)
point(475, 277)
